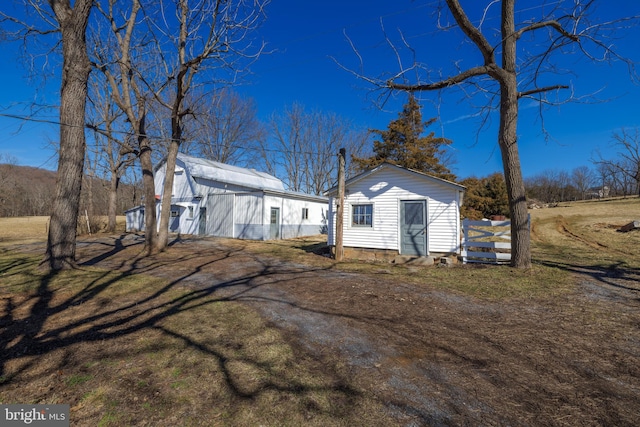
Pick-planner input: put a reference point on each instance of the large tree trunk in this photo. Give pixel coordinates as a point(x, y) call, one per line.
point(165, 216)
point(61, 243)
point(113, 202)
point(149, 194)
point(520, 238)
point(508, 141)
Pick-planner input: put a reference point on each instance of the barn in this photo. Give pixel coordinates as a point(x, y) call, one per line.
point(390, 210)
point(216, 199)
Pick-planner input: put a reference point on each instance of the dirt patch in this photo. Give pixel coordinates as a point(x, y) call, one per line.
point(433, 357)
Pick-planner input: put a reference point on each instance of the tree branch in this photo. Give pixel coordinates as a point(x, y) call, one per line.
point(540, 90)
point(553, 24)
point(472, 32)
point(451, 81)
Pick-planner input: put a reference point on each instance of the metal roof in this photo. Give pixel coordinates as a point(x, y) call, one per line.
point(216, 171)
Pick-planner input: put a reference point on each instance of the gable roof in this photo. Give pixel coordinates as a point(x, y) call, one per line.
point(334, 190)
point(221, 172)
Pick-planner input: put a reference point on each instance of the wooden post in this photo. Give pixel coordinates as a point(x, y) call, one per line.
point(339, 250)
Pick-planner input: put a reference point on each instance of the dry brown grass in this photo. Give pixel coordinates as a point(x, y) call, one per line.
point(35, 228)
point(587, 233)
point(133, 349)
point(28, 228)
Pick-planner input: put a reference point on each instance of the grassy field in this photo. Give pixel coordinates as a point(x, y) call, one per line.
point(134, 349)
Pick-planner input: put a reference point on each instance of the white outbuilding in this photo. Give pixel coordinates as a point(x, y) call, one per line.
point(217, 199)
point(390, 210)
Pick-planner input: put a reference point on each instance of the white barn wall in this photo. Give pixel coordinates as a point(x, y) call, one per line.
point(291, 223)
point(220, 214)
point(234, 208)
point(158, 178)
point(249, 211)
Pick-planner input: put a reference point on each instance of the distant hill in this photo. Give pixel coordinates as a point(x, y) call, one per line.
point(34, 175)
point(29, 191)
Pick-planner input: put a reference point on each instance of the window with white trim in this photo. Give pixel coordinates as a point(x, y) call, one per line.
point(305, 213)
point(362, 215)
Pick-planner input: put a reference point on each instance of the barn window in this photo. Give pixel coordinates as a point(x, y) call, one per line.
point(305, 213)
point(175, 213)
point(362, 215)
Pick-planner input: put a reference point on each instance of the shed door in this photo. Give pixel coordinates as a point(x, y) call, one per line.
point(274, 224)
point(413, 227)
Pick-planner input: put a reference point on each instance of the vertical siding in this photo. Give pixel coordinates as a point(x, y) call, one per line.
point(158, 179)
point(385, 189)
point(248, 216)
point(220, 215)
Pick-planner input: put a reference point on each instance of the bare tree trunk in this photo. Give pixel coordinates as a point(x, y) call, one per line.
point(113, 202)
point(61, 244)
point(163, 232)
point(149, 194)
point(339, 243)
point(508, 141)
point(520, 238)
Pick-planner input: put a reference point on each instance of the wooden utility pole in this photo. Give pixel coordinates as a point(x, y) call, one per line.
point(339, 251)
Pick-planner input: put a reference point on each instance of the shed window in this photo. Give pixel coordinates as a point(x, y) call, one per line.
point(362, 216)
point(175, 213)
point(305, 213)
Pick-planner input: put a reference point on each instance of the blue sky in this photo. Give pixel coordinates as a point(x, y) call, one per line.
point(304, 37)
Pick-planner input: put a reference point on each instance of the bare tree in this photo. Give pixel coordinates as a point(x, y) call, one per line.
point(304, 145)
point(583, 178)
point(216, 34)
point(507, 72)
point(68, 23)
point(72, 24)
point(113, 150)
point(115, 54)
point(9, 188)
point(224, 127)
point(625, 168)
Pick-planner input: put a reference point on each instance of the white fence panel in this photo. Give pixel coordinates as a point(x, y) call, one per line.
point(486, 241)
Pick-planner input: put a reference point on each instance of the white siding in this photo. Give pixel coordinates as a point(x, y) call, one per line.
point(444, 220)
point(158, 179)
point(291, 222)
point(248, 216)
point(238, 208)
point(182, 189)
point(385, 189)
point(220, 215)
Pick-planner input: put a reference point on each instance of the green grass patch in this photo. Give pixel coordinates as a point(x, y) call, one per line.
point(78, 379)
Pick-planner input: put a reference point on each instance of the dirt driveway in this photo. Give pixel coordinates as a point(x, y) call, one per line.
point(433, 357)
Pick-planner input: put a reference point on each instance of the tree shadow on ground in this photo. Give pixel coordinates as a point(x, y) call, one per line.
point(617, 277)
point(31, 327)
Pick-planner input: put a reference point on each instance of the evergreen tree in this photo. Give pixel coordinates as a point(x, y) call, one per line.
point(403, 144)
point(485, 197)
